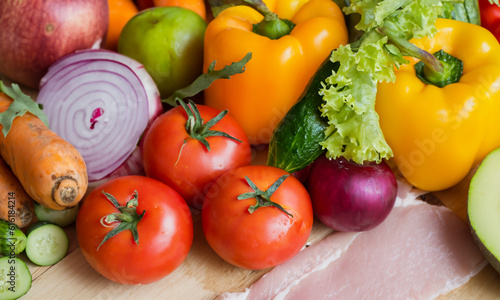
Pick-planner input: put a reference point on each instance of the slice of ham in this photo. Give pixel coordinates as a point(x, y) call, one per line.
point(420, 251)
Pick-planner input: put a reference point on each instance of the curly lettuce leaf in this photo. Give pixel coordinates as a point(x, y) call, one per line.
point(349, 94)
point(349, 106)
point(416, 19)
point(412, 18)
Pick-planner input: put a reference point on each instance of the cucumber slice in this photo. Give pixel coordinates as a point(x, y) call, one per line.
point(12, 239)
point(15, 278)
point(59, 217)
point(46, 243)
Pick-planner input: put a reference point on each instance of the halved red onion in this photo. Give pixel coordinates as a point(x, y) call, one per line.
point(101, 102)
point(132, 166)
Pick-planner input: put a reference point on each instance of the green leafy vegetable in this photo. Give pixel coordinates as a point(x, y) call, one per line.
point(464, 10)
point(349, 93)
point(206, 79)
point(22, 104)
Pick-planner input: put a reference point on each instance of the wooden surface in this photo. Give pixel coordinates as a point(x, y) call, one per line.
point(205, 276)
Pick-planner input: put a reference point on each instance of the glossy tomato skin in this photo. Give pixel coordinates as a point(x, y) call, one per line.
point(191, 172)
point(490, 17)
point(165, 232)
point(265, 238)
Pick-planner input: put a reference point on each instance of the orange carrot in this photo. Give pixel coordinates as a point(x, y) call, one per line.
point(49, 168)
point(15, 205)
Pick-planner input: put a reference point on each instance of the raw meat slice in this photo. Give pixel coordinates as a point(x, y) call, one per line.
point(420, 251)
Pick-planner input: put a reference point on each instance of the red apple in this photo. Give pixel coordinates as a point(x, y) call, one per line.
point(35, 33)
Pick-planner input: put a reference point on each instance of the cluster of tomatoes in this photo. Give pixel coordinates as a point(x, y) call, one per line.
point(138, 229)
point(198, 162)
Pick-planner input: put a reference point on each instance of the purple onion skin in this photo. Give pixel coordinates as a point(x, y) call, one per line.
point(350, 197)
point(302, 174)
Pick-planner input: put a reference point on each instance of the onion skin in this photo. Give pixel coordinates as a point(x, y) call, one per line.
point(36, 33)
point(101, 102)
point(350, 197)
point(302, 174)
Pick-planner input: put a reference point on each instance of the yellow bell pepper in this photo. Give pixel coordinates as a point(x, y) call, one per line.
point(279, 70)
point(438, 134)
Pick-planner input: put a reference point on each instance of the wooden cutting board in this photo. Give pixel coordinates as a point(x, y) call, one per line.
point(203, 275)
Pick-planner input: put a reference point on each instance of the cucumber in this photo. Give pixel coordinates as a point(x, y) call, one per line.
point(12, 239)
point(59, 217)
point(465, 11)
point(46, 244)
point(15, 278)
point(296, 140)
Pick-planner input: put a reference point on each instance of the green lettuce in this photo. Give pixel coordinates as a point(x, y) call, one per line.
point(349, 93)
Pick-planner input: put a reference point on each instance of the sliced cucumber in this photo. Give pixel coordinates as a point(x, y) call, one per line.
point(15, 278)
point(12, 239)
point(46, 244)
point(59, 217)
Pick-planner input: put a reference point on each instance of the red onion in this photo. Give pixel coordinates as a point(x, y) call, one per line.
point(101, 102)
point(132, 166)
point(350, 197)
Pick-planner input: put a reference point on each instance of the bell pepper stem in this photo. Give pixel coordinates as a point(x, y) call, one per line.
point(271, 26)
point(432, 64)
point(439, 69)
point(219, 5)
point(261, 7)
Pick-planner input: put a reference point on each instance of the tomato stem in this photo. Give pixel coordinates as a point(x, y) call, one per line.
point(199, 130)
point(128, 218)
point(264, 197)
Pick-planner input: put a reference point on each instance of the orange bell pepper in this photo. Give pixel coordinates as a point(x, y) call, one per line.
point(280, 68)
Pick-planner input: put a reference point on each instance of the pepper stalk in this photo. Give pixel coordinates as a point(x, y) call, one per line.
point(271, 26)
point(439, 69)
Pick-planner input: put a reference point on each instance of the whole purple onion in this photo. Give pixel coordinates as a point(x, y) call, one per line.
point(347, 196)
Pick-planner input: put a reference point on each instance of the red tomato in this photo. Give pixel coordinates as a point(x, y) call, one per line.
point(490, 17)
point(165, 232)
point(172, 156)
point(268, 236)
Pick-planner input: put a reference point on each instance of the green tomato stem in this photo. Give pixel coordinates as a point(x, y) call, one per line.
point(264, 197)
point(128, 218)
point(199, 130)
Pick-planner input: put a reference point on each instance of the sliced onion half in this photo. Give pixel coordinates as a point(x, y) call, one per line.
point(100, 102)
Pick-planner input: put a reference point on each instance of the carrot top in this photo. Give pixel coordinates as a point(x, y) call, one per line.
point(21, 104)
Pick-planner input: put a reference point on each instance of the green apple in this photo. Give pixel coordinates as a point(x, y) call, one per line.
point(483, 207)
point(168, 41)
